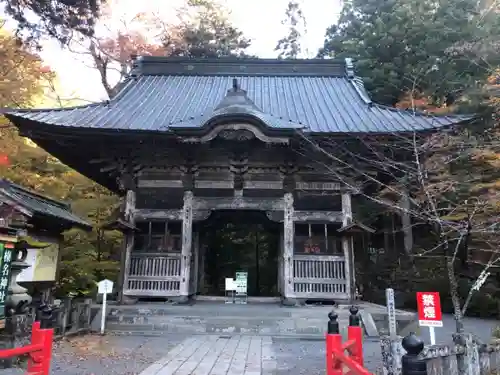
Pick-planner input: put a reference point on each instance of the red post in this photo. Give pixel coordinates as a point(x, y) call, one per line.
point(39, 361)
point(47, 350)
point(333, 365)
point(34, 360)
point(356, 351)
point(329, 355)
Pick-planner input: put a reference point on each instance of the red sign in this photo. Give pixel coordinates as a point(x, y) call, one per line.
point(429, 309)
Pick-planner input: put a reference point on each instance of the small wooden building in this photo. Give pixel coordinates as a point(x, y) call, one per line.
point(36, 221)
point(186, 138)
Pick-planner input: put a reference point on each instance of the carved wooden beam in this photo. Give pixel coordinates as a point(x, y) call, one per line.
point(248, 184)
point(206, 184)
point(237, 203)
point(266, 185)
point(307, 216)
point(237, 133)
point(169, 215)
point(160, 183)
point(315, 186)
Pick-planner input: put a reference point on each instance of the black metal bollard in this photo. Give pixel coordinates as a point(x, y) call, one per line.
point(333, 324)
point(411, 364)
point(354, 319)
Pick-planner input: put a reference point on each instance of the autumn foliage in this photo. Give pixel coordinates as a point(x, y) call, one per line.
point(22, 72)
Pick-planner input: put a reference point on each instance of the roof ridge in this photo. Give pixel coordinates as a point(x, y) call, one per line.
point(161, 65)
point(235, 60)
point(10, 184)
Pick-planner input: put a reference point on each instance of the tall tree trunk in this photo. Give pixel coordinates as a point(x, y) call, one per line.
point(455, 296)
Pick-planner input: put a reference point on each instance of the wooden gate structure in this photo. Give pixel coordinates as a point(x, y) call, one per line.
point(188, 137)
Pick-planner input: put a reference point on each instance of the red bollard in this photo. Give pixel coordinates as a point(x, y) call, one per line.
point(356, 351)
point(333, 365)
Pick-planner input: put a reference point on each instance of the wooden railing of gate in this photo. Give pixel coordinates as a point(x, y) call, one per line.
point(154, 274)
point(319, 276)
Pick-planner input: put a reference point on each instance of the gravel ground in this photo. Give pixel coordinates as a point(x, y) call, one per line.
point(109, 355)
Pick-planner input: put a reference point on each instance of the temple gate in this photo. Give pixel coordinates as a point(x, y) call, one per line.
point(187, 138)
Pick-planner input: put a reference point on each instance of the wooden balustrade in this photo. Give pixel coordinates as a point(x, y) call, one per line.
point(154, 274)
point(319, 276)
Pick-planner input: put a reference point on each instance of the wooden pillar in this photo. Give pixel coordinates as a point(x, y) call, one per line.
point(406, 223)
point(281, 277)
point(130, 199)
point(348, 247)
point(187, 240)
point(195, 262)
point(288, 242)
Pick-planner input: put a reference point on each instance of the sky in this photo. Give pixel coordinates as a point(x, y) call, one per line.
point(260, 20)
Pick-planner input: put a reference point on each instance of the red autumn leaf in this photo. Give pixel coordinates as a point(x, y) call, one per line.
point(4, 160)
point(45, 69)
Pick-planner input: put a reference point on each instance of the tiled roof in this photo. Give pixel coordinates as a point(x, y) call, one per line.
point(320, 96)
point(36, 204)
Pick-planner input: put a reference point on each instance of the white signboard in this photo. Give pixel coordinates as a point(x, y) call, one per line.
point(230, 285)
point(28, 274)
point(105, 287)
point(43, 264)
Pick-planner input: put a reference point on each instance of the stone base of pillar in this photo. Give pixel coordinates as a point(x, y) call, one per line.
point(182, 300)
point(126, 300)
point(290, 302)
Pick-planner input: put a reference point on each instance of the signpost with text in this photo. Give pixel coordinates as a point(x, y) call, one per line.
point(6, 254)
point(429, 312)
point(104, 287)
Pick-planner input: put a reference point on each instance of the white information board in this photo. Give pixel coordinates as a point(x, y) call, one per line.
point(241, 286)
point(230, 285)
point(230, 289)
point(104, 287)
point(241, 282)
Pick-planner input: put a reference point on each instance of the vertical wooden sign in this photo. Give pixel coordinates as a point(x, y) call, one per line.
point(6, 252)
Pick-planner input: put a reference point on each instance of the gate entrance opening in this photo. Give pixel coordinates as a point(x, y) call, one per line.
point(234, 241)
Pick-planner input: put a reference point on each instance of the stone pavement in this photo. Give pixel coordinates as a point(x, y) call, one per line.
point(218, 355)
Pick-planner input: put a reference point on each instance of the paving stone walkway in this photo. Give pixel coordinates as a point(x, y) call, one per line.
point(218, 355)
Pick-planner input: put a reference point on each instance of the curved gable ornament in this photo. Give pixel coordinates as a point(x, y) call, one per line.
point(241, 135)
point(236, 132)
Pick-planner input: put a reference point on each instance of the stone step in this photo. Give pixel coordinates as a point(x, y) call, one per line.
point(316, 329)
point(223, 321)
point(263, 319)
point(229, 310)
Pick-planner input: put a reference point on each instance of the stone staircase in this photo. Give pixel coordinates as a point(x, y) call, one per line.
point(267, 319)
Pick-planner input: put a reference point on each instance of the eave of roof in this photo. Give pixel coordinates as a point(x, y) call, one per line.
point(165, 94)
point(32, 204)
